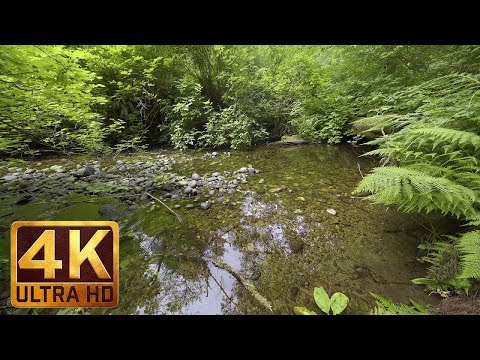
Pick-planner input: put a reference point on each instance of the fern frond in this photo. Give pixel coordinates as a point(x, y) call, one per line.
point(414, 190)
point(387, 307)
point(438, 135)
point(469, 245)
point(387, 122)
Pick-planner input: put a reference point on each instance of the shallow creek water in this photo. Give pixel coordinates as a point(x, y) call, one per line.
point(284, 242)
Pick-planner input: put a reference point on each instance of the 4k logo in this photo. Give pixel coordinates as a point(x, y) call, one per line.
point(64, 263)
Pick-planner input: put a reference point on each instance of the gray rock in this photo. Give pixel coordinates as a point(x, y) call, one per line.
point(215, 174)
point(120, 162)
point(27, 177)
point(242, 170)
point(261, 181)
point(195, 176)
point(148, 184)
point(174, 197)
point(251, 170)
point(9, 177)
point(214, 153)
point(23, 184)
point(177, 206)
point(139, 180)
point(30, 171)
point(211, 192)
point(194, 191)
point(192, 183)
point(108, 209)
point(205, 205)
point(232, 185)
point(188, 190)
point(331, 212)
point(111, 176)
point(189, 206)
point(85, 171)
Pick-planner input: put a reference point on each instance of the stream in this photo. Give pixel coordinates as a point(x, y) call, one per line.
point(262, 212)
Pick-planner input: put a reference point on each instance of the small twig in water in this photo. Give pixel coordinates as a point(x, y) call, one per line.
point(161, 202)
point(360, 170)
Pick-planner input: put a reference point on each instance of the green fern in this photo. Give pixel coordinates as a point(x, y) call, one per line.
point(469, 245)
point(413, 190)
point(431, 141)
point(387, 307)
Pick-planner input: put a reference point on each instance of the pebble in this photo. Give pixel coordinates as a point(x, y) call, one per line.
point(261, 181)
point(331, 212)
point(205, 205)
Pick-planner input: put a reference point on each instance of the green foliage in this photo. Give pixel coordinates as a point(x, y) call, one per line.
point(46, 101)
point(444, 266)
point(322, 299)
point(387, 307)
point(300, 310)
point(469, 245)
point(73, 311)
point(337, 303)
point(415, 190)
point(428, 134)
point(77, 98)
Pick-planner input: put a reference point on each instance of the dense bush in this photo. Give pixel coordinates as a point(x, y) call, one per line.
point(46, 101)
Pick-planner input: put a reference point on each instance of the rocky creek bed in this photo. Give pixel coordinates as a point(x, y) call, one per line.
point(280, 217)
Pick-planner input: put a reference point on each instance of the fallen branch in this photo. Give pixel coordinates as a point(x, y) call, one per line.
point(161, 202)
point(247, 284)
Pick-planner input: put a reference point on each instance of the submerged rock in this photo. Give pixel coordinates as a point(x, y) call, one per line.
point(205, 205)
point(85, 171)
point(9, 177)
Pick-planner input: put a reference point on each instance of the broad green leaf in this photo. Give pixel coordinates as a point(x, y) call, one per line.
point(338, 303)
point(322, 299)
point(300, 310)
